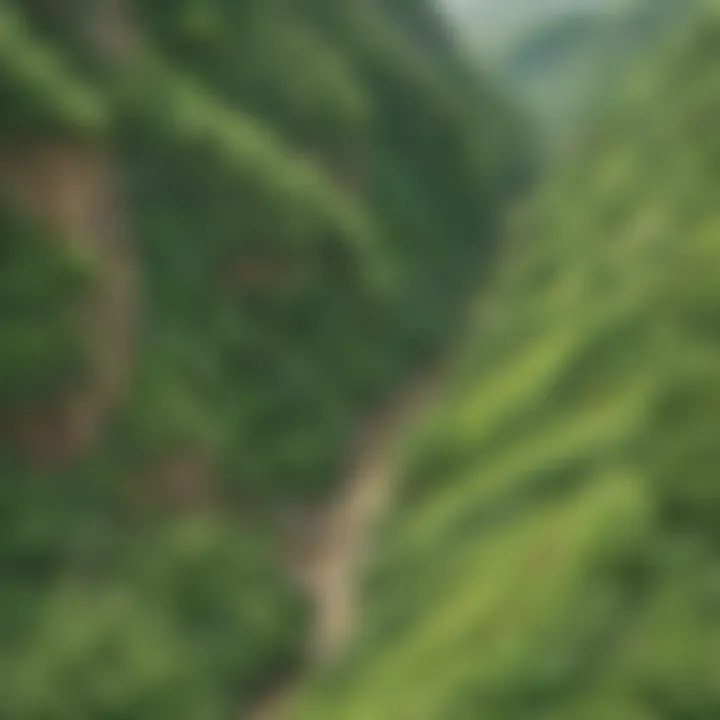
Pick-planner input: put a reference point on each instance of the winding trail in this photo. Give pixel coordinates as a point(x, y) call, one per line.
point(330, 543)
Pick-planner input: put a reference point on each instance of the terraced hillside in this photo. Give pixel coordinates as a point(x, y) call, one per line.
point(554, 551)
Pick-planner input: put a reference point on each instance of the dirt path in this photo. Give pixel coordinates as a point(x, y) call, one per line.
point(330, 543)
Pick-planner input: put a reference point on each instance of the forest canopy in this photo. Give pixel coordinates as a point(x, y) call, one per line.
point(229, 228)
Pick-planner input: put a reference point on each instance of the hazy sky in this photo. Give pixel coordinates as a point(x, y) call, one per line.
point(492, 17)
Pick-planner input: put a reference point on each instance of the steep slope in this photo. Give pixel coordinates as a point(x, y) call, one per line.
point(554, 551)
point(228, 229)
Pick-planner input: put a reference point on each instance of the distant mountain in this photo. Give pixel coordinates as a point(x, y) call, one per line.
point(563, 57)
point(493, 21)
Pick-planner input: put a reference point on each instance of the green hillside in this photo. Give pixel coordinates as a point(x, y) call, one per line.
point(228, 228)
point(554, 550)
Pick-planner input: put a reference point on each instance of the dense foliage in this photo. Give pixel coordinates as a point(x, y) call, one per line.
point(554, 553)
point(267, 212)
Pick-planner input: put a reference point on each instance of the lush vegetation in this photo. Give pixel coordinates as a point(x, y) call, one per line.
point(228, 229)
point(266, 213)
point(554, 552)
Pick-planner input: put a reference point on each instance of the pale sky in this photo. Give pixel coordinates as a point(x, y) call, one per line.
point(491, 18)
point(521, 11)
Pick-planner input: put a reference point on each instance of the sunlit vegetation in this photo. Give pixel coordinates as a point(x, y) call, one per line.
point(553, 552)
